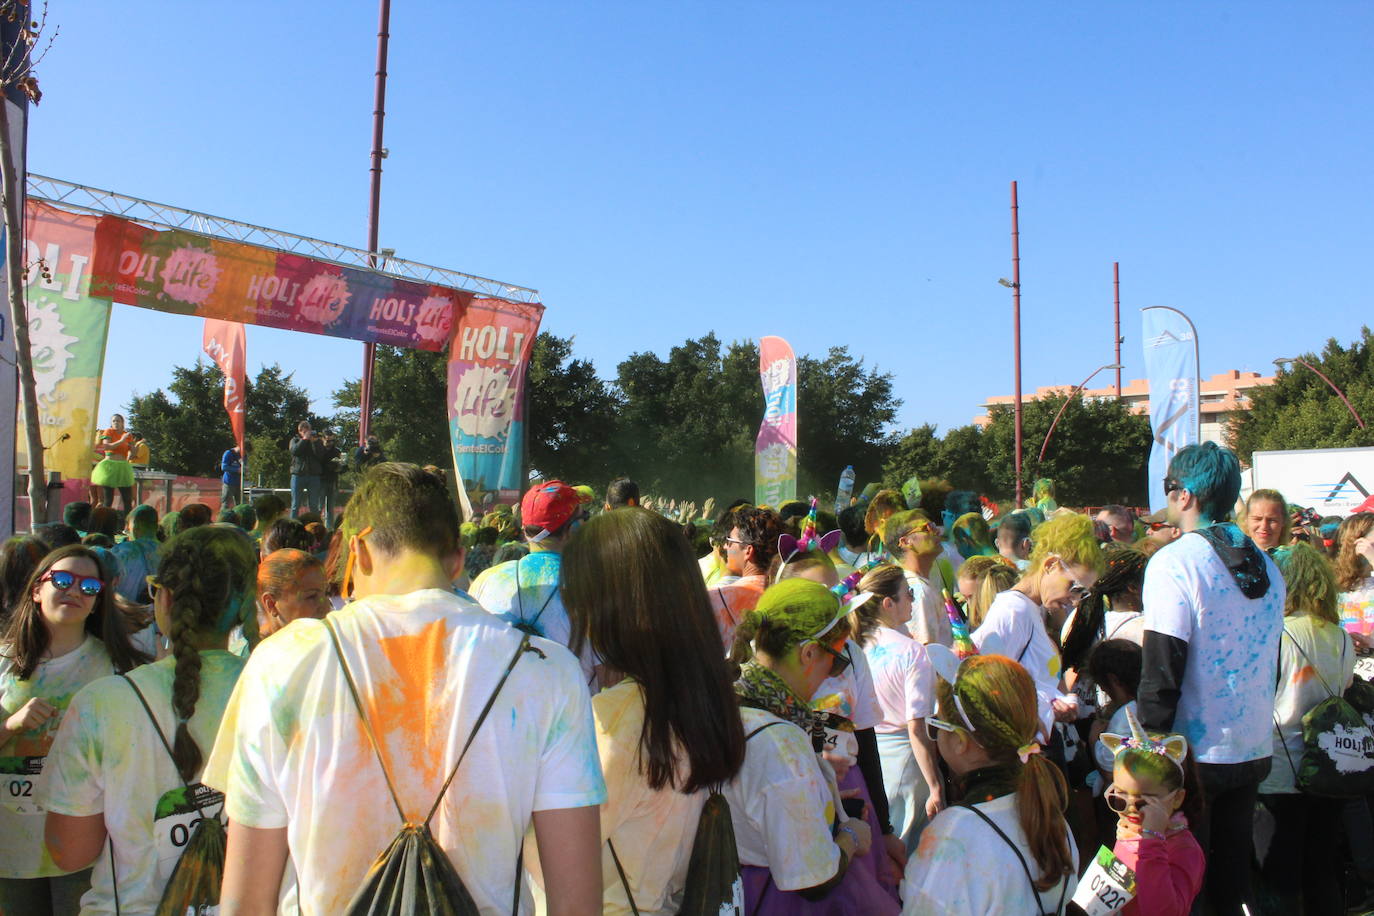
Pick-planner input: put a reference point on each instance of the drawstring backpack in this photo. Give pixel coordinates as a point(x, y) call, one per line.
point(714, 886)
point(1035, 894)
point(413, 876)
point(1337, 746)
point(179, 823)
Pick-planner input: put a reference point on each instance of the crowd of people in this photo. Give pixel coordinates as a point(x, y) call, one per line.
point(580, 705)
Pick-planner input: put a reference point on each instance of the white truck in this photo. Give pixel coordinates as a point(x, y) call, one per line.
point(1334, 481)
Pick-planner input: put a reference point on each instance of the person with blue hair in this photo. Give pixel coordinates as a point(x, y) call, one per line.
point(1214, 605)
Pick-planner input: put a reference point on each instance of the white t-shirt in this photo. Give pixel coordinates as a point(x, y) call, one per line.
point(292, 751)
point(23, 758)
point(903, 679)
point(1329, 649)
point(929, 621)
point(537, 600)
point(963, 868)
point(850, 695)
point(1227, 702)
point(782, 805)
point(108, 758)
point(1015, 627)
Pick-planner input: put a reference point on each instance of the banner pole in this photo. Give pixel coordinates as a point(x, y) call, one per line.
point(374, 205)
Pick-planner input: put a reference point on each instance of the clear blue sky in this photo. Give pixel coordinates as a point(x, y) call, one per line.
point(831, 173)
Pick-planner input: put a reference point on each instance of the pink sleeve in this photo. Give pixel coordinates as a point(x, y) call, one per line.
point(1168, 875)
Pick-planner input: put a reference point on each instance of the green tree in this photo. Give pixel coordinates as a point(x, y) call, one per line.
point(187, 429)
point(1301, 411)
point(570, 415)
point(845, 414)
point(409, 409)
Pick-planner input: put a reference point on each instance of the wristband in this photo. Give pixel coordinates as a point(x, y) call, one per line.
point(1145, 831)
point(845, 828)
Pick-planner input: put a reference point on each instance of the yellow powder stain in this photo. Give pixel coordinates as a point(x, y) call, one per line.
point(408, 710)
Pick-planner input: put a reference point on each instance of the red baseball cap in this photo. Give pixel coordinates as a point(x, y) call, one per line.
point(550, 505)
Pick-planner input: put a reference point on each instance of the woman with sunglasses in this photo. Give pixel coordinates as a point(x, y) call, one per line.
point(65, 633)
point(851, 750)
point(1004, 848)
point(905, 685)
point(1063, 567)
point(124, 791)
point(796, 843)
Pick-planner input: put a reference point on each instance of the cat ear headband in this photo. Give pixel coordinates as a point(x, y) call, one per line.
point(1174, 747)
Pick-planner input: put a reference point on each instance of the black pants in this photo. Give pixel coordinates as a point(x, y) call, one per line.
point(1304, 865)
point(1227, 833)
point(126, 496)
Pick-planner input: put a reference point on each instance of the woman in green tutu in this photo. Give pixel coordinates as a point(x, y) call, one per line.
point(115, 472)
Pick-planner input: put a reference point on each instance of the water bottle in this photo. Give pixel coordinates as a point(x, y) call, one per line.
point(845, 491)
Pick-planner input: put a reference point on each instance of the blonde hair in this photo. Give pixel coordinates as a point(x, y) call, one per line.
point(1070, 537)
point(995, 579)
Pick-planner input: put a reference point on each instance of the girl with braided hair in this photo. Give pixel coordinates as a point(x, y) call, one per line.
point(126, 762)
point(1005, 847)
point(65, 633)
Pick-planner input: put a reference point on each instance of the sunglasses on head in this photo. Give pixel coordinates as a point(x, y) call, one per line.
point(63, 580)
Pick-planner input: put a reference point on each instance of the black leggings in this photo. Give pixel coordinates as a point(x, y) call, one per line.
point(1227, 833)
point(126, 496)
point(1304, 865)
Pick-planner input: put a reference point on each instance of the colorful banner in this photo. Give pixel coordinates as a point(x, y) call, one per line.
point(67, 329)
point(1171, 367)
point(487, 360)
point(775, 449)
point(174, 271)
point(224, 343)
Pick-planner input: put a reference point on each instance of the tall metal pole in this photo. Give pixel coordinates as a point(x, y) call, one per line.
point(374, 205)
point(1016, 332)
point(1116, 311)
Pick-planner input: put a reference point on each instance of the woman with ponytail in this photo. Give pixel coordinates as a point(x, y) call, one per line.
point(117, 797)
point(801, 851)
point(65, 633)
point(1004, 848)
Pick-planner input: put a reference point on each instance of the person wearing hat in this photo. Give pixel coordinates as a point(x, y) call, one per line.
point(525, 591)
point(1160, 529)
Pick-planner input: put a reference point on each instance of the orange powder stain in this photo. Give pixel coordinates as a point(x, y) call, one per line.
point(1304, 674)
point(407, 712)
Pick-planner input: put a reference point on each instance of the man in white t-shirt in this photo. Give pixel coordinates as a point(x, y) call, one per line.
point(299, 769)
point(1213, 617)
point(916, 546)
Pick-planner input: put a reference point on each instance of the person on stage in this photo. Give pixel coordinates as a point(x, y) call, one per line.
point(114, 472)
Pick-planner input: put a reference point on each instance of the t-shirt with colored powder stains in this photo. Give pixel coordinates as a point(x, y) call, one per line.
point(1015, 627)
point(850, 695)
point(1314, 656)
point(963, 868)
point(782, 805)
point(137, 561)
point(108, 759)
point(731, 601)
point(23, 759)
point(652, 829)
point(293, 753)
point(526, 591)
point(903, 679)
point(1357, 607)
point(1225, 708)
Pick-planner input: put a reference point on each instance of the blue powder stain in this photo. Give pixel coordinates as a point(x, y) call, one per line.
point(512, 719)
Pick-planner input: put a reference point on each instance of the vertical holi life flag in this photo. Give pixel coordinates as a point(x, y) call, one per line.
point(1171, 366)
point(489, 354)
point(775, 449)
point(224, 343)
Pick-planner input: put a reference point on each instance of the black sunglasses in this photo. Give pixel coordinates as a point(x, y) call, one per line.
point(841, 662)
point(1170, 485)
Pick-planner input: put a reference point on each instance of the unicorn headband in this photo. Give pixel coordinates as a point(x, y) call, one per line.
point(847, 590)
point(1174, 747)
point(789, 547)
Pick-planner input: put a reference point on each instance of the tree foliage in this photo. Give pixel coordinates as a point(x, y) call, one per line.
point(1301, 411)
point(409, 388)
point(187, 429)
point(570, 414)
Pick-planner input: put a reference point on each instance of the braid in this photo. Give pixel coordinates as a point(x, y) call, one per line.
point(186, 683)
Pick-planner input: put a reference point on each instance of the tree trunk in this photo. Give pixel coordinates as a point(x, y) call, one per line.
point(11, 196)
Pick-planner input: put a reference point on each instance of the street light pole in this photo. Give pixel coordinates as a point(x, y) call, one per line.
point(1016, 331)
point(1055, 422)
point(1116, 310)
point(1339, 393)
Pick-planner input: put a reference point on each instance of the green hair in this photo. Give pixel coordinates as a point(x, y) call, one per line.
point(972, 536)
point(1311, 582)
point(407, 508)
point(787, 615)
point(1070, 536)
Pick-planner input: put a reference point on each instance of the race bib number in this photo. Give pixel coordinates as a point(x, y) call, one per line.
point(176, 817)
point(1364, 667)
point(1106, 887)
point(20, 780)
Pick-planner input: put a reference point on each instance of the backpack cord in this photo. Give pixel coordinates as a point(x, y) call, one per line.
point(1035, 893)
point(624, 881)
